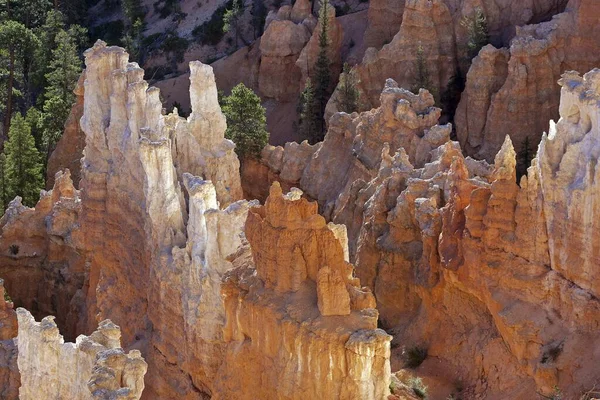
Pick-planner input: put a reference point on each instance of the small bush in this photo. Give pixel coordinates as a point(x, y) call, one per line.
point(211, 31)
point(414, 356)
point(418, 387)
point(175, 45)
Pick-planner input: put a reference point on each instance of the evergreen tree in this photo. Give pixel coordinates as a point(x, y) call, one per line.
point(132, 40)
point(348, 93)
point(309, 122)
point(477, 31)
point(19, 43)
point(133, 10)
point(322, 76)
point(231, 19)
point(3, 183)
point(35, 119)
point(64, 69)
point(423, 78)
point(246, 121)
point(23, 167)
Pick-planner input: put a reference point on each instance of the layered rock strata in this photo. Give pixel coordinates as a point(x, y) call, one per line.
point(296, 316)
point(94, 367)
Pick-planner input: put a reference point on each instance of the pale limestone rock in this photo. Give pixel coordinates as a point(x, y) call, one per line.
point(51, 368)
point(296, 316)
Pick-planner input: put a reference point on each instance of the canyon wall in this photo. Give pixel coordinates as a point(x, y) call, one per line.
point(10, 379)
point(42, 255)
point(523, 95)
point(94, 367)
point(442, 240)
point(298, 322)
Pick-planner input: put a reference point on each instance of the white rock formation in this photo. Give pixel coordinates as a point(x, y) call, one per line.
point(93, 367)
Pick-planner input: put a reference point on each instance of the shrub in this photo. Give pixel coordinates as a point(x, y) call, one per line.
point(175, 45)
point(414, 356)
point(418, 387)
point(211, 31)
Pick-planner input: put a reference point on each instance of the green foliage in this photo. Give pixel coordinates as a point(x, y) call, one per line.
point(133, 10)
point(133, 39)
point(211, 32)
point(19, 44)
point(31, 13)
point(246, 121)
point(35, 119)
point(477, 31)
point(175, 46)
point(64, 69)
point(111, 32)
point(423, 77)
point(4, 199)
point(314, 98)
point(231, 19)
point(418, 387)
point(23, 166)
point(414, 356)
point(349, 95)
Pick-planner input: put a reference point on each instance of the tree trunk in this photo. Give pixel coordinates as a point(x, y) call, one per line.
point(9, 90)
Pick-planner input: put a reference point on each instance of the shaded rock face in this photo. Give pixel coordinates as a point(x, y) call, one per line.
point(69, 149)
point(296, 316)
point(42, 255)
point(523, 95)
point(9, 371)
point(384, 19)
point(95, 367)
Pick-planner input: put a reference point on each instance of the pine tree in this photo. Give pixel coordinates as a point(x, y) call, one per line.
point(348, 94)
point(246, 121)
point(3, 183)
point(133, 10)
point(322, 73)
point(231, 19)
point(19, 43)
point(477, 31)
point(23, 167)
point(423, 78)
point(309, 123)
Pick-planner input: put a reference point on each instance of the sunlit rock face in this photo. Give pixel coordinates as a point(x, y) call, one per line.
point(94, 367)
point(522, 95)
point(157, 238)
point(296, 315)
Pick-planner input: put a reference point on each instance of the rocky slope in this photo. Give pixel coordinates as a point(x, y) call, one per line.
point(449, 241)
point(523, 95)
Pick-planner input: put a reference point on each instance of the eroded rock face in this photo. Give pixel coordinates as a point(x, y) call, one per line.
point(9, 372)
point(69, 149)
point(42, 255)
point(296, 316)
point(157, 254)
point(384, 19)
point(95, 367)
point(523, 96)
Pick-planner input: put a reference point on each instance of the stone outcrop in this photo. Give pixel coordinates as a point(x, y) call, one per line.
point(42, 255)
point(523, 96)
point(280, 47)
point(296, 316)
point(9, 372)
point(94, 367)
point(384, 19)
point(156, 253)
point(282, 164)
point(308, 57)
point(69, 149)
